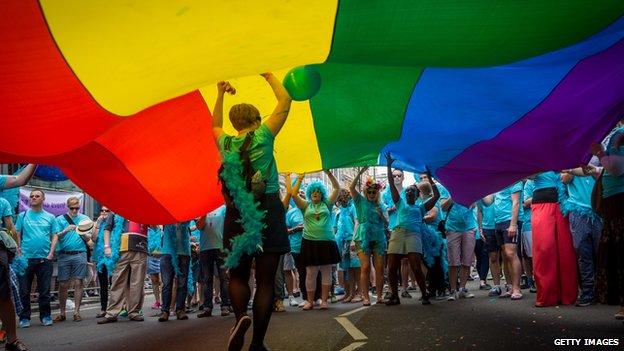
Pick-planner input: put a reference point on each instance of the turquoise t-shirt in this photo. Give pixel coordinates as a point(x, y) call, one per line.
point(371, 224)
point(612, 185)
point(503, 203)
point(580, 190)
point(386, 198)
point(460, 219)
point(410, 217)
point(527, 193)
point(5, 209)
point(545, 180)
point(181, 233)
point(317, 222)
point(346, 222)
point(212, 235)
point(294, 218)
point(71, 241)
point(260, 154)
point(3, 179)
point(487, 215)
point(37, 229)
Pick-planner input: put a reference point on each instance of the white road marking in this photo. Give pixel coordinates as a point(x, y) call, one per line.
point(353, 346)
point(355, 333)
point(354, 311)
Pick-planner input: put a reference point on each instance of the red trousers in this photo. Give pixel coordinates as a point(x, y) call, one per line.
point(554, 260)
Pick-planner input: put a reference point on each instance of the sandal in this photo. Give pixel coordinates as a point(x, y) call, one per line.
point(323, 306)
point(505, 295)
point(366, 303)
point(619, 316)
point(77, 318)
point(308, 306)
point(60, 318)
point(347, 299)
point(356, 299)
point(517, 296)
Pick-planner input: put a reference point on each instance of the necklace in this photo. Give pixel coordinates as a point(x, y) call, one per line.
point(317, 215)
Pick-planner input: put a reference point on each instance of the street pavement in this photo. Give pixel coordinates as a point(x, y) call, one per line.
point(481, 323)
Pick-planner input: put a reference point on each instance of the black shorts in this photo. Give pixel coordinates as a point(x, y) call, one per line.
point(274, 235)
point(5, 276)
point(502, 235)
point(490, 239)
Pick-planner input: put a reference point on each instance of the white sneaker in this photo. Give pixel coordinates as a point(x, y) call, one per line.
point(317, 302)
point(69, 305)
point(452, 296)
point(293, 301)
point(464, 294)
point(301, 304)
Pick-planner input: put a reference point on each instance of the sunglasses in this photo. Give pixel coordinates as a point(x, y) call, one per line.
point(398, 176)
point(371, 192)
point(104, 210)
point(35, 196)
point(74, 208)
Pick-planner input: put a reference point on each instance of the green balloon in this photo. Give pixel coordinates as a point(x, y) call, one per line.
point(302, 82)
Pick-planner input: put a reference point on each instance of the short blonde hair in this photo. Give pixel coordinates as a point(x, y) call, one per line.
point(244, 115)
point(73, 200)
point(425, 188)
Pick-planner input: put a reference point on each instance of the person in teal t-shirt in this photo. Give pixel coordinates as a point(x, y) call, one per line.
point(72, 258)
point(318, 247)
point(527, 234)
point(247, 121)
point(370, 237)
point(611, 266)
point(36, 228)
point(346, 222)
point(406, 238)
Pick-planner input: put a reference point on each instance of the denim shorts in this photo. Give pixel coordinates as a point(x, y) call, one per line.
point(72, 266)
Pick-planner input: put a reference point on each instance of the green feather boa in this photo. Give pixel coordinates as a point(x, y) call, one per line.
point(250, 241)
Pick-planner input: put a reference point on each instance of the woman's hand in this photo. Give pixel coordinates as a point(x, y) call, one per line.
point(225, 87)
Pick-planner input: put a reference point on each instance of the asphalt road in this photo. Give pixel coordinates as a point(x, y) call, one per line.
point(481, 323)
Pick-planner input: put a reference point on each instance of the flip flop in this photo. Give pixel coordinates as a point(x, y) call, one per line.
point(516, 296)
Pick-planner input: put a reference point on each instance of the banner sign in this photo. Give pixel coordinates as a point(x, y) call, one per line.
point(55, 201)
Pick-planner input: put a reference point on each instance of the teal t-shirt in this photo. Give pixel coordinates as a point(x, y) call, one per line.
point(346, 222)
point(410, 217)
point(503, 203)
point(212, 235)
point(460, 219)
point(180, 244)
point(5, 209)
point(71, 241)
point(386, 197)
point(545, 180)
point(580, 190)
point(371, 225)
point(36, 230)
point(527, 193)
point(317, 222)
point(260, 154)
point(612, 185)
point(154, 240)
point(487, 215)
point(3, 179)
point(294, 218)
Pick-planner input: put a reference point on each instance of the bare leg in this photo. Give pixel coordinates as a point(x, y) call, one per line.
point(78, 290)
point(63, 287)
point(7, 316)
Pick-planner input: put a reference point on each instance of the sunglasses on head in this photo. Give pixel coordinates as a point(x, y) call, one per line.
point(74, 208)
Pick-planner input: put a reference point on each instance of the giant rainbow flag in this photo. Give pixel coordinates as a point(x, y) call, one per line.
point(484, 92)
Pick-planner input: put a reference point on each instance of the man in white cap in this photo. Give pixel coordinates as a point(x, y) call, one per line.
point(72, 259)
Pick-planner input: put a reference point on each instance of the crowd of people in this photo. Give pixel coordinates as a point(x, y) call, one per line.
point(556, 234)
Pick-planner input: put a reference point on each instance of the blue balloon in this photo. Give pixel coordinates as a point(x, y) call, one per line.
point(50, 173)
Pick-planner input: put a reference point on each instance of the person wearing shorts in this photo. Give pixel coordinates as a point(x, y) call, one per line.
point(72, 259)
point(527, 234)
point(461, 226)
point(508, 226)
point(406, 238)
